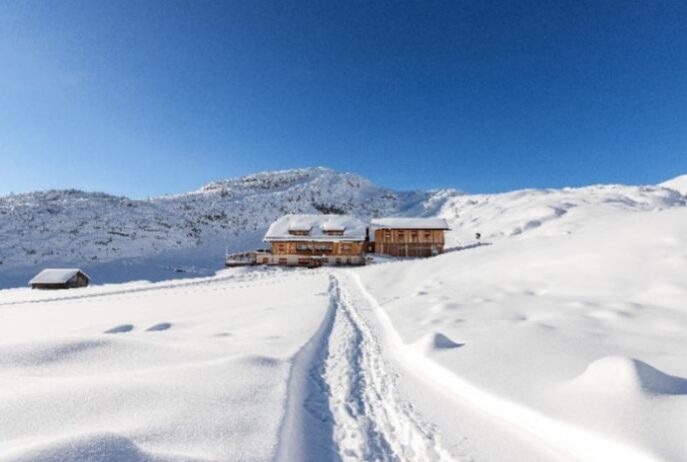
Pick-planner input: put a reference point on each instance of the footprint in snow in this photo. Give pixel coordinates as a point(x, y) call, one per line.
point(159, 327)
point(120, 329)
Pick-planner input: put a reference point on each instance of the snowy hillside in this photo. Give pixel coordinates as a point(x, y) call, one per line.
point(678, 184)
point(560, 335)
point(120, 239)
point(498, 216)
point(563, 342)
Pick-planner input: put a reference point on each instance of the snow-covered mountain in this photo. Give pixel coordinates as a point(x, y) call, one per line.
point(678, 184)
point(184, 233)
point(564, 339)
point(119, 239)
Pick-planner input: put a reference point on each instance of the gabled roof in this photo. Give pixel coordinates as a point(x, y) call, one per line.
point(409, 223)
point(352, 228)
point(56, 276)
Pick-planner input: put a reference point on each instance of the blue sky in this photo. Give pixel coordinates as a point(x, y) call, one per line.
point(145, 98)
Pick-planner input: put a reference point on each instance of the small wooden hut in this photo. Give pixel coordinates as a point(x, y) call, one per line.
point(60, 278)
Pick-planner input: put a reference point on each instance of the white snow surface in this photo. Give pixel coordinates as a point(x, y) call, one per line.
point(560, 335)
point(353, 228)
point(678, 184)
point(190, 370)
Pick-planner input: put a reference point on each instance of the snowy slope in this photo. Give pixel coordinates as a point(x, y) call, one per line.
point(574, 332)
point(678, 184)
point(559, 336)
point(547, 211)
point(119, 239)
point(187, 371)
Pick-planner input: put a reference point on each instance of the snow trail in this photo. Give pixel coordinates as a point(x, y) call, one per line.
point(348, 395)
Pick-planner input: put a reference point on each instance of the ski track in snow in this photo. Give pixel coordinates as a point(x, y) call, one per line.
point(351, 390)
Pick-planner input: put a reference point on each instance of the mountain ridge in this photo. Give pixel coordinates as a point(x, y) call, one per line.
point(78, 228)
point(185, 234)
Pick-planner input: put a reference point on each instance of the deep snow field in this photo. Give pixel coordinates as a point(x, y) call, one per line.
point(560, 335)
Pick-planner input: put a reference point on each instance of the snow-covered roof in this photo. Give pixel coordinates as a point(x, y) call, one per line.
point(352, 229)
point(300, 227)
point(332, 226)
point(409, 223)
point(56, 275)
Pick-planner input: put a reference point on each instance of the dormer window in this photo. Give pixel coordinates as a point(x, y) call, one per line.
point(331, 229)
point(299, 229)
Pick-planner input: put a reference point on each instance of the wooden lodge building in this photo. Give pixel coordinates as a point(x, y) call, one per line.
point(317, 240)
point(409, 237)
point(60, 278)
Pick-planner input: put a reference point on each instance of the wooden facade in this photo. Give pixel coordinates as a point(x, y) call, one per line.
point(314, 253)
point(317, 248)
point(409, 242)
point(316, 240)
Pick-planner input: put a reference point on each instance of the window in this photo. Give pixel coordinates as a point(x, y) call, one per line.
point(387, 234)
point(299, 232)
point(413, 236)
point(283, 261)
point(281, 248)
point(346, 247)
point(333, 232)
point(265, 260)
point(401, 235)
point(302, 247)
point(338, 261)
point(323, 247)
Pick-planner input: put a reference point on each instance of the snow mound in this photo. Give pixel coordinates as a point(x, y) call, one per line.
point(678, 184)
point(100, 447)
point(617, 374)
point(436, 342)
point(50, 352)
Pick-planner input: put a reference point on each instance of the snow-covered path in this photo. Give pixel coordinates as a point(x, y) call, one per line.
point(345, 405)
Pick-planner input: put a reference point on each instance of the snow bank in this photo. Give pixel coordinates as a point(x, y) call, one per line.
point(619, 375)
point(98, 447)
